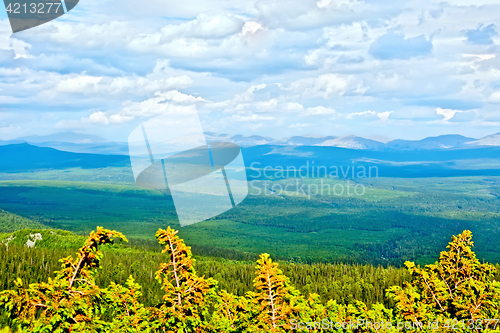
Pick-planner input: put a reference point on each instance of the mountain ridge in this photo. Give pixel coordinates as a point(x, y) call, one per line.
point(91, 144)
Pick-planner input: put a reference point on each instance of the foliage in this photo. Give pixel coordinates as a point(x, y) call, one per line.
point(71, 301)
point(184, 306)
point(457, 287)
point(11, 222)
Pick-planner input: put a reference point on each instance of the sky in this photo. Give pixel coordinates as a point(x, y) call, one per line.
point(278, 68)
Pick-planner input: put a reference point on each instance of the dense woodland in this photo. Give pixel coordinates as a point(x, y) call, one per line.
point(341, 282)
point(397, 220)
point(458, 292)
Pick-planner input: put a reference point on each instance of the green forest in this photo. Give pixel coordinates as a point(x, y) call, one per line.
point(397, 220)
point(101, 289)
point(275, 263)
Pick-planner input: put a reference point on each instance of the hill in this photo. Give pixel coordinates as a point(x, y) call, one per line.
point(490, 140)
point(431, 143)
point(353, 142)
point(26, 157)
point(11, 222)
point(68, 137)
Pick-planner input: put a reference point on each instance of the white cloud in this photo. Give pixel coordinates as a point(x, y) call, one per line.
point(154, 106)
point(178, 97)
point(99, 117)
point(318, 111)
point(367, 113)
point(20, 48)
point(300, 126)
point(384, 116)
point(248, 95)
point(495, 97)
point(258, 62)
point(251, 27)
point(203, 27)
point(326, 86)
point(446, 113)
point(251, 118)
point(78, 83)
point(370, 115)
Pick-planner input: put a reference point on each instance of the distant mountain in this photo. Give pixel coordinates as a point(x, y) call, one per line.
point(103, 148)
point(25, 157)
point(302, 140)
point(480, 161)
point(490, 140)
point(353, 142)
point(395, 163)
point(241, 140)
point(380, 138)
point(68, 137)
point(438, 142)
point(10, 142)
point(92, 144)
point(74, 142)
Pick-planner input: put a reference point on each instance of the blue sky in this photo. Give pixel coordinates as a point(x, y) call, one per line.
point(399, 69)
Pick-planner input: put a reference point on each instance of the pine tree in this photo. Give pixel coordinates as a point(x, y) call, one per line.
point(69, 302)
point(276, 301)
point(457, 286)
point(186, 300)
point(129, 315)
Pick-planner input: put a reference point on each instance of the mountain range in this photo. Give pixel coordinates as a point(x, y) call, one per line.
point(452, 141)
point(85, 143)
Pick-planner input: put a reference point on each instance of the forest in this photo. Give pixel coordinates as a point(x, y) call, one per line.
point(457, 293)
point(274, 263)
point(397, 220)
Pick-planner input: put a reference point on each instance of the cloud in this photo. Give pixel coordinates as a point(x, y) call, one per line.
point(99, 117)
point(495, 97)
point(363, 114)
point(318, 111)
point(463, 117)
point(384, 116)
point(160, 103)
point(299, 126)
point(251, 118)
point(251, 27)
point(456, 116)
point(395, 46)
point(20, 48)
point(180, 98)
point(171, 102)
point(370, 115)
point(326, 85)
point(481, 35)
point(203, 27)
point(257, 65)
point(309, 14)
point(248, 95)
point(416, 114)
point(78, 84)
point(447, 114)
point(82, 89)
